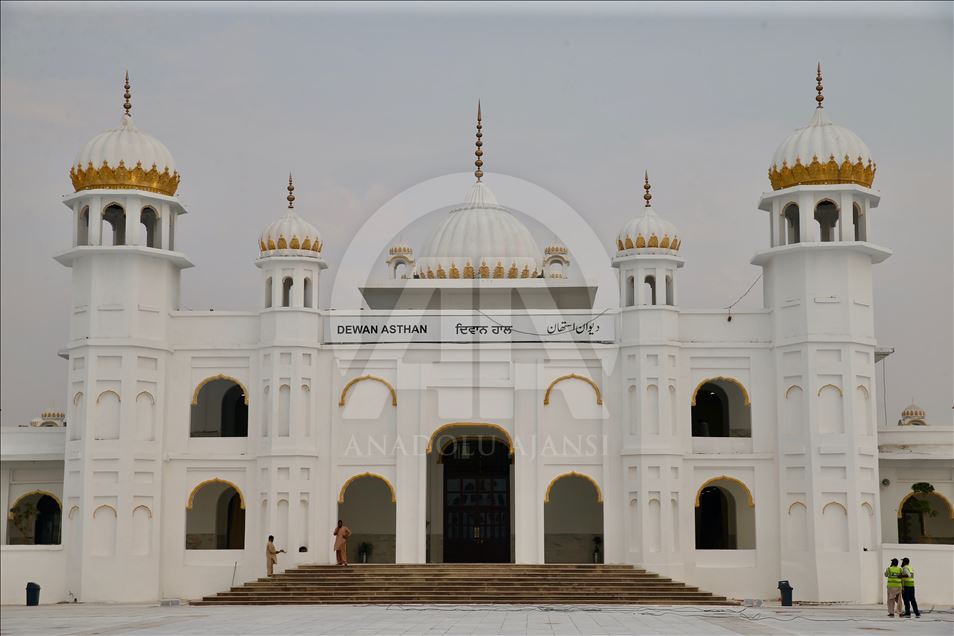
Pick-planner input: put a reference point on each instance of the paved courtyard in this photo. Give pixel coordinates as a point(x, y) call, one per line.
point(378, 619)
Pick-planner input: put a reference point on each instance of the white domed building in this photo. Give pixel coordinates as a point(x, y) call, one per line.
point(479, 408)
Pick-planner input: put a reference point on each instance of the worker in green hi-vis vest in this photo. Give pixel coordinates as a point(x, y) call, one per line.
point(893, 574)
point(907, 589)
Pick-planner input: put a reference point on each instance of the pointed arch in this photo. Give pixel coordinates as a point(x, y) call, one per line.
point(864, 389)
point(834, 503)
point(573, 376)
point(103, 394)
point(215, 480)
point(107, 507)
point(826, 386)
point(573, 473)
point(791, 388)
point(745, 393)
point(344, 487)
point(221, 376)
point(361, 378)
point(37, 492)
point(739, 482)
point(796, 503)
point(77, 397)
point(72, 510)
point(144, 507)
point(444, 427)
point(950, 508)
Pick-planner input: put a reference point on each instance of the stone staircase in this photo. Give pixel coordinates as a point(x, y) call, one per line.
point(461, 583)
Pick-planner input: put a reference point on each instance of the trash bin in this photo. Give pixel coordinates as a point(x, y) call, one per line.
point(786, 591)
point(33, 593)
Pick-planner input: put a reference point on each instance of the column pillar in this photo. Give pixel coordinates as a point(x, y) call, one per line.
point(806, 216)
point(165, 212)
point(96, 220)
point(133, 226)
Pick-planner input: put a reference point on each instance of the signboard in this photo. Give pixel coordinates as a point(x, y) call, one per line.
point(468, 327)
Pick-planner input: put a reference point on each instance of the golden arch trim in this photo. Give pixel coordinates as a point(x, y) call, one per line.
point(950, 508)
point(825, 386)
point(790, 389)
point(573, 473)
point(739, 482)
point(864, 390)
point(745, 393)
point(221, 376)
point(215, 480)
point(834, 503)
point(574, 376)
point(344, 487)
point(796, 503)
point(100, 396)
point(444, 427)
point(30, 494)
point(146, 508)
point(361, 378)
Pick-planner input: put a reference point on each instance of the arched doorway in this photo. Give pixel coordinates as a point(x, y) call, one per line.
point(720, 408)
point(219, 409)
point(367, 505)
point(573, 520)
point(926, 518)
point(725, 516)
point(470, 495)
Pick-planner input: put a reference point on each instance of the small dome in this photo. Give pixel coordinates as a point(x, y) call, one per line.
point(913, 410)
point(401, 248)
point(125, 158)
point(820, 153)
point(290, 235)
point(480, 239)
point(649, 232)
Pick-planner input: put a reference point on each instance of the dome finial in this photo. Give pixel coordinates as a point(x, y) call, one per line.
point(479, 153)
point(647, 196)
point(127, 105)
point(291, 197)
point(818, 78)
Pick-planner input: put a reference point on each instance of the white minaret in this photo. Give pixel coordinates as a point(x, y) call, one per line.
point(647, 259)
point(818, 285)
point(125, 285)
point(288, 461)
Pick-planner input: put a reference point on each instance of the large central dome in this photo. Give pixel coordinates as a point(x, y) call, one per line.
point(480, 239)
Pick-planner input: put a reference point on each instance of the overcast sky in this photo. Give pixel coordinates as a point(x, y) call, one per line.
point(365, 102)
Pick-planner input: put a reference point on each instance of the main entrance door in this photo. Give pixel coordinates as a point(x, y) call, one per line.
point(476, 501)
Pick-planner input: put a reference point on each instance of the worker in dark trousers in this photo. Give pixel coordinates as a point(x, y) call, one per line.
point(907, 589)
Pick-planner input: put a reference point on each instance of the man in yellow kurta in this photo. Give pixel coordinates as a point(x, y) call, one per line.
point(271, 555)
point(341, 534)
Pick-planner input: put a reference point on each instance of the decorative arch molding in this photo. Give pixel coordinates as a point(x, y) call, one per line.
point(361, 378)
point(353, 478)
point(796, 503)
point(864, 390)
point(825, 386)
point(834, 503)
point(745, 393)
point(574, 376)
point(30, 494)
point(72, 510)
point(221, 376)
point(573, 473)
point(739, 482)
point(77, 397)
point(100, 396)
point(865, 504)
point(146, 508)
point(950, 508)
point(215, 480)
point(826, 200)
point(450, 425)
point(151, 396)
point(790, 389)
point(107, 507)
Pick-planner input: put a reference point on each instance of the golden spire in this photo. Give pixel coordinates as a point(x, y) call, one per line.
point(291, 197)
point(127, 105)
point(818, 78)
point(479, 153)
point(647, 197)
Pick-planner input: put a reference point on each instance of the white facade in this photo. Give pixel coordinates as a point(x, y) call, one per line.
point(727, 453)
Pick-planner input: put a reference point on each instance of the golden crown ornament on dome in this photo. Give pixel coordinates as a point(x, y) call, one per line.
point(120, 176)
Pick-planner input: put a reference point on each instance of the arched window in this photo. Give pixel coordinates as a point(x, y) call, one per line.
point(150, 220)
point(926, 518)
point(670, 292)
point(650, 282)
point(268, 292)
point(219, 409)
point(826, 215)
point(115, 216)
point(307, 290)
point(34, 519)
point(630, 291)
point(791, 224)
point(573, 521)
point(720, 409)
point(287, 283)
point(215, 517)
point(82, 227)
point(859, 223)
point(725, 516)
